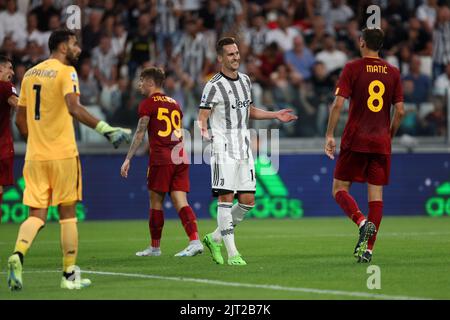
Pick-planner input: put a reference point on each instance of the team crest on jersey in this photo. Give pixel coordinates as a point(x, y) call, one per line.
point(73, 76)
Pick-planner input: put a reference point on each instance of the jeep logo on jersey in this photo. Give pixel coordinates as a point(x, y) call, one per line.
point(241, 104)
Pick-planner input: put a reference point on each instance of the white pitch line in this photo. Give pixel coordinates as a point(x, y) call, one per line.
point(264, 236)
point(246, 285)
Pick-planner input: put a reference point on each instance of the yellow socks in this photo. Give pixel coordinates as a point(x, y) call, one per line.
point(27, 232)
point(69, 242)
point(69, 238)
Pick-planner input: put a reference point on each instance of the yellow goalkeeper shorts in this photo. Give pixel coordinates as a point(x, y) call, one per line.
point(52, 182)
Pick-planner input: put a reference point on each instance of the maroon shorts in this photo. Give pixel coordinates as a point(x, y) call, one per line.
point(166, 178)
point(7, 171)
point(373, 168)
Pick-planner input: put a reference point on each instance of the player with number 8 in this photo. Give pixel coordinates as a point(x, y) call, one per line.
point(373, 86)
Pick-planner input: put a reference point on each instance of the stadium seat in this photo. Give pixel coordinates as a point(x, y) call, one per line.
point(425, 108)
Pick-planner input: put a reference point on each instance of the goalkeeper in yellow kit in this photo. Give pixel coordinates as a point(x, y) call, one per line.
point(48, 100)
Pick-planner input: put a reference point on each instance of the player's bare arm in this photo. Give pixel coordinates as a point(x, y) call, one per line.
point(137, 140)
point(79, 112)
point(114, 135)
point(335, 112)
point(138, 136)
point(21, 121)
point(399, 113)
point(284, 115)
point(202, 122)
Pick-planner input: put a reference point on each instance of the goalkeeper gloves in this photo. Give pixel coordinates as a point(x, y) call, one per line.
point(115, 135)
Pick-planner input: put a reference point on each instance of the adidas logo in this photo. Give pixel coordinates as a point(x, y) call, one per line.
point(271, 197)
point(440, 204)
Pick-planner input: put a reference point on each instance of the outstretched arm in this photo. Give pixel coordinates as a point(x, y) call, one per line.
point(284, 115)
point(80, 113)
point(114, 135)
point(335, 112)
point(137, 140)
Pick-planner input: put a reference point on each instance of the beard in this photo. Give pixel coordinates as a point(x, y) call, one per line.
point(72, 58)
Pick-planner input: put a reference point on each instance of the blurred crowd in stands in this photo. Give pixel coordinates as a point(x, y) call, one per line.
point(293, 50)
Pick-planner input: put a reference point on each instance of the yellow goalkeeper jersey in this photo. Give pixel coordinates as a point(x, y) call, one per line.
point(51, 134)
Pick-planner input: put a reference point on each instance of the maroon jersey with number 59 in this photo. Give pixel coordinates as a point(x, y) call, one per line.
point(372, 85)
point(164, 129)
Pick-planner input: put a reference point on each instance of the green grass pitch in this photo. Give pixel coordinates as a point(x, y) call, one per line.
point(310, 258)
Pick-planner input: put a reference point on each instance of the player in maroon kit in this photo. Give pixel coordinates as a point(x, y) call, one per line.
point(168, 170)
point(373, 86)
point(8, 100)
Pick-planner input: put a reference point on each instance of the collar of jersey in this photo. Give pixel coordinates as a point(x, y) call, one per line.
point(157, 94)
point(370, 57)
point(228, 78)
point(55, 60)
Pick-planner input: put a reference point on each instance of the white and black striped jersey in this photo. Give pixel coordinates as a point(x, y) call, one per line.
point(166, 20)
point(441, 43)
point(226, 15)
point(194, 52)
point(256, 40)
point(229, 101)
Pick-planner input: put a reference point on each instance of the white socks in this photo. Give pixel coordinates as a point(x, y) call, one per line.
point(238, 212)
point(225, 222)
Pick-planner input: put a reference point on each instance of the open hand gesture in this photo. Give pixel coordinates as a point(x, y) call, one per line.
point(285, 115)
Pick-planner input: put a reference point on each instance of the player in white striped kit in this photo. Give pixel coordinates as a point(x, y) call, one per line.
point(227, 103)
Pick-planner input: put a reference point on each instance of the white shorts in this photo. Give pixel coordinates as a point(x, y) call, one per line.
point(232, 175)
